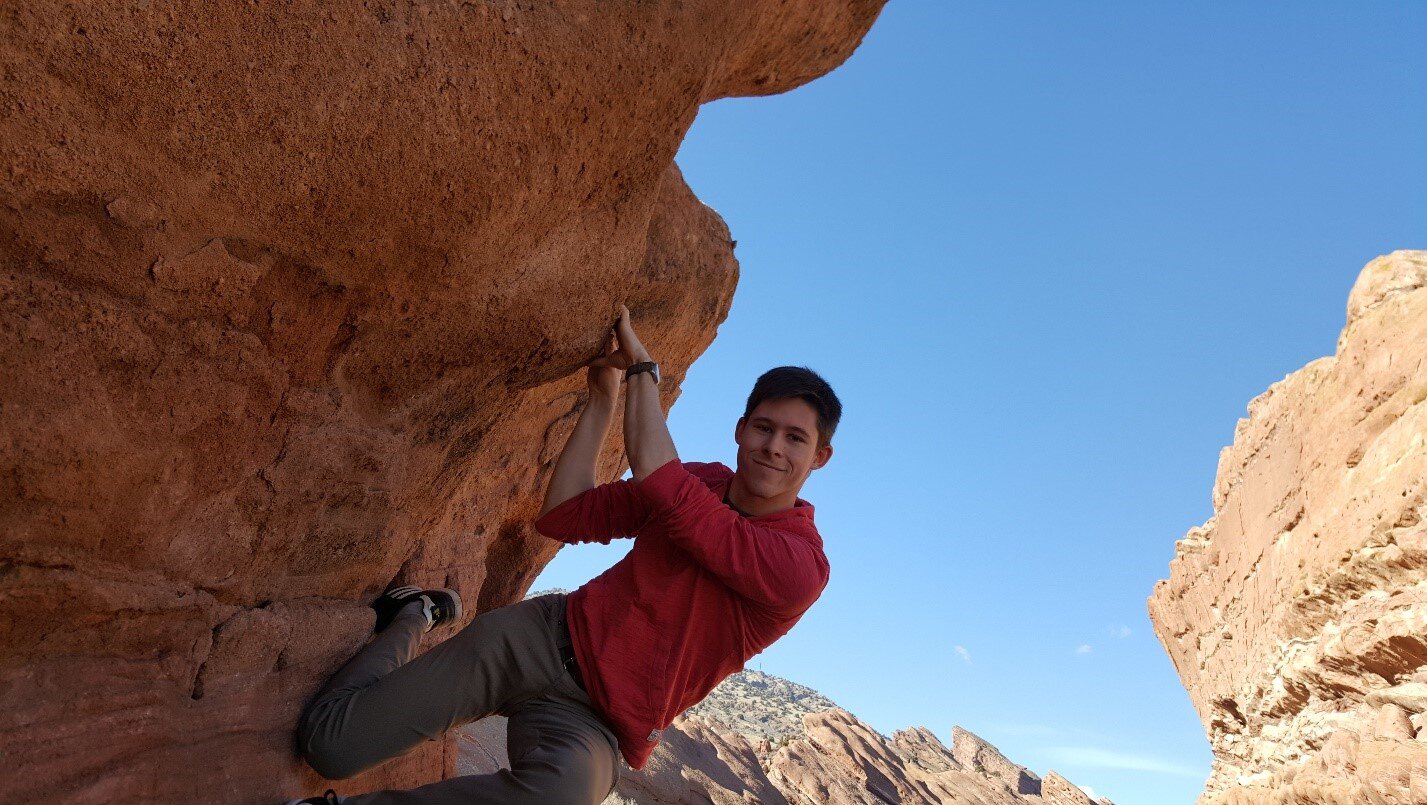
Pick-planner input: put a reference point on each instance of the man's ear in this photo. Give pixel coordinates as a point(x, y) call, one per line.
point(822, 456)
point(738, 426)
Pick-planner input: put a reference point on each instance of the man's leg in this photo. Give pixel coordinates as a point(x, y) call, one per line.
point(380, 705)
point(560, 754)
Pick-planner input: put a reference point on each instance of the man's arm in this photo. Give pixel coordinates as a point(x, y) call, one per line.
point(575, 509)
point(575, 469)
point(646, 434)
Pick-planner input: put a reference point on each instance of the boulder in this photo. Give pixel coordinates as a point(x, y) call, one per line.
point(294, 303)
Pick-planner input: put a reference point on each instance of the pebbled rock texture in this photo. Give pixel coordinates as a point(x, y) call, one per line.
point(1297, 616)
point(293, 303)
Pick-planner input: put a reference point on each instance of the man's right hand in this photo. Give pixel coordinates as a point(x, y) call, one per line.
point(605, 373)
point(575, 469)
point(630, 347)
point(623, 351)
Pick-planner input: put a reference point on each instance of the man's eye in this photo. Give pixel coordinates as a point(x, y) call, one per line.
point(795, 437)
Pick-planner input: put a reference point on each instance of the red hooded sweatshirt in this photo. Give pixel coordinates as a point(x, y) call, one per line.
point(703, 590)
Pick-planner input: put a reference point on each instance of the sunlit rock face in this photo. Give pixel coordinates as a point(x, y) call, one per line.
point(293, 304)
point(1297, 616)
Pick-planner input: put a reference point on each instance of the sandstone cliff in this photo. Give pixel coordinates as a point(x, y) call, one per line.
point(293, 303)
point(1297, 616)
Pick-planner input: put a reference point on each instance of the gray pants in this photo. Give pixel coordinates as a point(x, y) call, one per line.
point(506, 662)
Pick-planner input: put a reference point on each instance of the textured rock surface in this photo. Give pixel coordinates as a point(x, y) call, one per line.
point(292, 304)
point(700, 761)
point(968, 750)
point(1297, 616)
point(1056, 790)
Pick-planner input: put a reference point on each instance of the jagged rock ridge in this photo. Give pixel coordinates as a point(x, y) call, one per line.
point(828, 756)
point(293, 302)
point(1297, 615)
point(761, 706)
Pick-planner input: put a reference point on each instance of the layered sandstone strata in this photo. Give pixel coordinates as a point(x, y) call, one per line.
point(293, 303)
point(1297, 616)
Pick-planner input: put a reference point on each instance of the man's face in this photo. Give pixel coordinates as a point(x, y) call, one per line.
point(778, 449)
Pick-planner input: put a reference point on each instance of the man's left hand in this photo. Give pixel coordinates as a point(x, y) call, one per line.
point(631, 349)
point(629, 343)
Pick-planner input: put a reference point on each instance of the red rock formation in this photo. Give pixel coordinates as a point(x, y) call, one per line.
point(700, 761)
point(838, 759)
point(970, 752)
point(293, 303)
point(827, 756)
point(1297, 616)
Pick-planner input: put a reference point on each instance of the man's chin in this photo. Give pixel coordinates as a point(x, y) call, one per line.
point(765, 491)
point(763, 488)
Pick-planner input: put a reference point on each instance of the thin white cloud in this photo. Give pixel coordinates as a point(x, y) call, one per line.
point(1108, 759)
point(964, 654)
point(1044, 731)
point(1122, 631)
point(1032, 730)
point(1089, 792)
point(1083, 648)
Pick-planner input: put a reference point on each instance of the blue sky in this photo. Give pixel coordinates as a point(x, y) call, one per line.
point(1046, 255)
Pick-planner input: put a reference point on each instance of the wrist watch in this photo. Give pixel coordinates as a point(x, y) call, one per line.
point(643, 366)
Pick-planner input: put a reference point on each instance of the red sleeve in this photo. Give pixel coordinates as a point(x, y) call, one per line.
point(600, 514)
point(766, 565)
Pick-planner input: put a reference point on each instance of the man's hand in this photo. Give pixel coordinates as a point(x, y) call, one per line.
point(604, 376)
point(631, 350)
point(629, 343)
point(575, 471)
point(646, 436)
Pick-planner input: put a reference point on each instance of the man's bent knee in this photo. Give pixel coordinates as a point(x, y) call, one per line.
point(326, 757)
point(330, 765)
point(576, 785)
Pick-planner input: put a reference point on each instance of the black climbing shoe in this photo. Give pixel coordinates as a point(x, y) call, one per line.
point(329, 798)
point(439, 606)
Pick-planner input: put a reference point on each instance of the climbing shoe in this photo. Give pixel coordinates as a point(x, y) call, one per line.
point(439, 606)
point(329, 798)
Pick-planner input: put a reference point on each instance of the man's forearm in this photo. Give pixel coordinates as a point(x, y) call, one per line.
point(646, 434)
point(575, 470)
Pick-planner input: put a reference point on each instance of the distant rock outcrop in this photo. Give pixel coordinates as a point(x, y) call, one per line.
point(756, 705)
point(1297, 616)
point(293, 303)
point(825, 757)
point(971, 752)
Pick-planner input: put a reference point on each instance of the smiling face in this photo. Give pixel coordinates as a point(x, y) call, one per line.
point(777, 450)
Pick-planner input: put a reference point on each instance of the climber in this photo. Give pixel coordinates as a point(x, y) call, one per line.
point(724, 562)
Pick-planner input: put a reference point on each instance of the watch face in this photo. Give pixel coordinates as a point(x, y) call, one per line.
point(647, 366)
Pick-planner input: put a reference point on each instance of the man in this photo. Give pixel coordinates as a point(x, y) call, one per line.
point(724, 563)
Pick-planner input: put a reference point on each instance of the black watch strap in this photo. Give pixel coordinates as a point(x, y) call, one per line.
point(643, 366)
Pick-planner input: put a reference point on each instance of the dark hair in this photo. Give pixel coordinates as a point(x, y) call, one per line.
point(799, 382)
